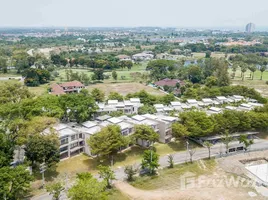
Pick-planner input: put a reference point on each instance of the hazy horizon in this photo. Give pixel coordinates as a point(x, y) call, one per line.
point(126, 13)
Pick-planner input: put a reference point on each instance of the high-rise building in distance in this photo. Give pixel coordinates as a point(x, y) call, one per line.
point(250, 28)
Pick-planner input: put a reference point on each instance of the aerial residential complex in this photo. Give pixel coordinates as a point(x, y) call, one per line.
point(73, 136)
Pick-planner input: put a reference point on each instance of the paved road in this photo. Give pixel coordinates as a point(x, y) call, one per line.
point(180, 157)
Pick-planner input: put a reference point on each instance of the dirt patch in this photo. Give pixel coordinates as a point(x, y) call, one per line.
point(124, 88)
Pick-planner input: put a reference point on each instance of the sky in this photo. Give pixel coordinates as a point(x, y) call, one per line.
point(133, 13)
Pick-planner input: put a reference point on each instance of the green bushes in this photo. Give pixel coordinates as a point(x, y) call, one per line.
point(199, 124)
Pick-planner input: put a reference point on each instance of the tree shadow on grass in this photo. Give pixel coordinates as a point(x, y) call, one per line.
point(50, 174)
point(181, 145)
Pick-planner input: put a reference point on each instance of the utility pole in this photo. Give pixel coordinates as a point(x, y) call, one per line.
point(43, 168)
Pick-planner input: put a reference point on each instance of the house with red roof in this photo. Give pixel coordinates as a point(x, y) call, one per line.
point(168, 82)
point(67, 87)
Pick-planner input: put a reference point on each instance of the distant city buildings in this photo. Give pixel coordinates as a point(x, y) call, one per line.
point(250, 28)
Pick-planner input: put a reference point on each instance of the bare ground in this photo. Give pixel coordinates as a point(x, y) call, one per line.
point(124, 88)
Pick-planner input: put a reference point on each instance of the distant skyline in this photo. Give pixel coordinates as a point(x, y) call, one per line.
point(233, 14)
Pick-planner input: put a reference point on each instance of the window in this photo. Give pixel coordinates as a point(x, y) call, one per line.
point(64, 149)
point(74, 137)
point(74, 145)
point(64, 141)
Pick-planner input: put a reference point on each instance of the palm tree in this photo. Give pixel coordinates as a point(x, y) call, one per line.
point(252, 68)
point(234, 68)
point(226, 139)
point(208, 145)
point(244, 68)
point(247, 142)
point(262, 69)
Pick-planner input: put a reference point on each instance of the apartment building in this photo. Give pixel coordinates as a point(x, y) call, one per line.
point(127, 107)
point(71, 141)
point(164, 126)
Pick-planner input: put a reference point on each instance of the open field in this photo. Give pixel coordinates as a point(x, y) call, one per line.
point(124, 88)
point(137, 68)
point(259, 85)
point(201, 180)
point(213, 55)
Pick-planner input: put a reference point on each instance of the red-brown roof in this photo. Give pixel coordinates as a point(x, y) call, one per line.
point(56, 89)
point(168, 82)
point(72, 84)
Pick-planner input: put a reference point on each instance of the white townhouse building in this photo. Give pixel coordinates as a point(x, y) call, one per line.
point(127, 107)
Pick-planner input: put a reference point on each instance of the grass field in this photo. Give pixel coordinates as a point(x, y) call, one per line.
point(256, 83)
point(167, 177)
point(120, 72)
point(84, 163)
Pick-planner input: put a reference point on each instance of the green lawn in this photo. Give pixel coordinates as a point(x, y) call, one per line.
point(168, 177)
point(257, 75)
point(84, 163)
point(125, 72)
point(256, 83)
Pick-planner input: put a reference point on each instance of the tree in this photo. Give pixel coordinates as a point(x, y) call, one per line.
point(98, 74)
point(226, 140)
point(252, 68)
point(208, 145)
point(87, 187)
point(130, 171)
point(3, 64)
point(234, 68)
point(160, 69)
point(79, 107)
point(35, 77)
point(107, 142)
point(211, 81)
point(55, 190)
point(14, 182)
point(197, 123)
point(244, 68)
point(13, 93)
point(221, 72)
point(150, 161)
point(40, 148)
point(107, 174)
point(145, 133)
point(179, 131)
point(208, 54)
point(146, 109)
point(191, 153)
point(115, 96)
point(6, 150)
point(114, 75)
point(247, 142)
point(98, 95)
point(195, 74)
point(262, 69)
point(171, 161)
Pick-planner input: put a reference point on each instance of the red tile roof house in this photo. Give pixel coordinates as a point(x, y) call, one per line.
point(68, 87)
point(168, 82)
